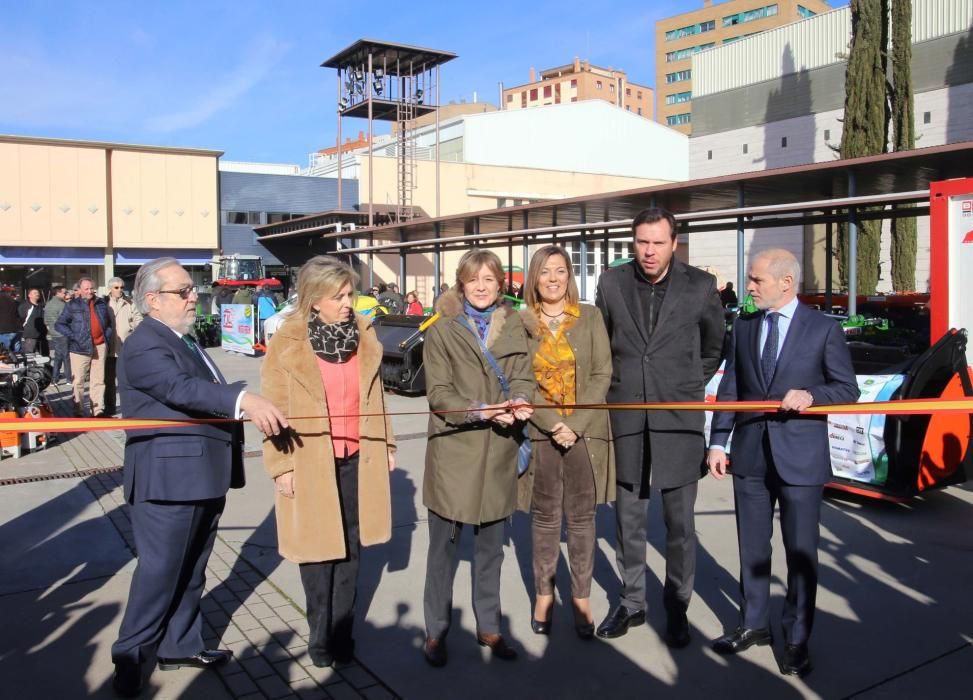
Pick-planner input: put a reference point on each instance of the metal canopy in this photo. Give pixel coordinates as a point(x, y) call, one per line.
point(384, 110)
point(389, 54)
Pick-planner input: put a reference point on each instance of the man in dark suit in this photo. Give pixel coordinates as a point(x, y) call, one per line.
point(798, 356)
point(665, 321)
point(176, 479)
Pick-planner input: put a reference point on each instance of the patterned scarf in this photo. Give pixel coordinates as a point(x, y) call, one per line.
point(333, 342)
point(481, 319)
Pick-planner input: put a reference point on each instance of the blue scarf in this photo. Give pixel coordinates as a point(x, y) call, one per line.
point(481, 319)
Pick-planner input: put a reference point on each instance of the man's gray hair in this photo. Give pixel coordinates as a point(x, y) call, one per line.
point(115, 280)
point(147, 281)
point(780, 263)
point(77, 285)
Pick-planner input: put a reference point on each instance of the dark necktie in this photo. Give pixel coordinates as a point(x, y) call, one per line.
point(194, 349)
point(768, 358)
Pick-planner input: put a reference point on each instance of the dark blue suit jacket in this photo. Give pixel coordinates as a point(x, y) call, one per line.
point(159, 377)
point(815, 358)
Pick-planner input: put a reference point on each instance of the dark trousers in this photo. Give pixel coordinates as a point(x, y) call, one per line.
point(800, 514)
point(441, 571)
point(331, 586)
point(563, 485)
point(29, 345)
point(60, 363)
point(111, 391)
point(678, 512)
point(174, 541)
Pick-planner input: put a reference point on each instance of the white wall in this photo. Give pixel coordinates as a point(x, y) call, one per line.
point(588, 137)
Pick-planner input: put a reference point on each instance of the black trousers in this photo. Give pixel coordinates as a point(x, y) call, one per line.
point(678, 512)
point(331, 587)
point(800, 514)
point(441, 571)
point(174, 541)
point(111, 390)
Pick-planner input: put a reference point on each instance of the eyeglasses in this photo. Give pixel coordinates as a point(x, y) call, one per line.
point(117, 287)
point(184, 292)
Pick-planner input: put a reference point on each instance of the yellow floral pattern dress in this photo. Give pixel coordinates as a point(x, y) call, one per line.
point(553, 364)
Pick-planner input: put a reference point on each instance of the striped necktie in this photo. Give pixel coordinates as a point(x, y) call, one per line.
point(768, 358)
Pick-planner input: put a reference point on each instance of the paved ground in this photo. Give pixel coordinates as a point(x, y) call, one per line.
point(894, 612)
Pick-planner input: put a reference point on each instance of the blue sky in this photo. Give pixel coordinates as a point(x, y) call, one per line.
point(244, 77)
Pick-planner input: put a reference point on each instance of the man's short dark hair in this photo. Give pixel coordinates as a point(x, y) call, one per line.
point(56, 289)
point(652, 215)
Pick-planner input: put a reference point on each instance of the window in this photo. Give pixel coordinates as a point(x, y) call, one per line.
point(628, 108)
point(640, 111)
point(611, 88)
point(687, 53)
point(926, 117)
point(692, 29)
point(677, 77)
point(235, 217)
point(547, 91)
point(598, 85)
point(827, 134)
point(746, 148)
point(639, 94)
point(783, 142)
point(557, 93)
point(523, 98)
point(678, 97)
point(574, 83)
point(510, 97)
point(574, 99)
point(533, 94)
point(804, 12)
point(734, 39)
point(628, 92)
point(677, 119)
point(750, 15)
point(253, 217)
point(709, 155)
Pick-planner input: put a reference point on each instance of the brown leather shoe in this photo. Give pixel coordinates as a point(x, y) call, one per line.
point(498, 646)
point(435, 651)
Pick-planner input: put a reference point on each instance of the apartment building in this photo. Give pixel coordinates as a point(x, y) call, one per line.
point(679, 38)
point(580, 81)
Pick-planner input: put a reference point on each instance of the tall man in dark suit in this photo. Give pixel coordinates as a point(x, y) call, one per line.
point(176, 479)
point(665, 321)
point(798, 356)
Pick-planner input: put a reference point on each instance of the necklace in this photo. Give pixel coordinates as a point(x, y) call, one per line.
point(555, 321)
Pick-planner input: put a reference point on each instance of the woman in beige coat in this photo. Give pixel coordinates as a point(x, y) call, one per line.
point(474, 436)
point(331, 469)
point(571, 469)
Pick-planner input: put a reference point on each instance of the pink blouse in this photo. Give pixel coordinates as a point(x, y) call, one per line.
point(341, 391)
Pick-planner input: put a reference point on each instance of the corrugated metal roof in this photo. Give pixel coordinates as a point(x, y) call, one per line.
point(811, 43)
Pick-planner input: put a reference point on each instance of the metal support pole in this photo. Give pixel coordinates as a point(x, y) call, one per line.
point(828, 264)
point(339, 139)
point(741, 262)
point(371, 261)
point(583, 245)
point(437, 272)
point(402, 254)
point(510, 266)
point(437, 141)
point(852, 249)
point(371, 163)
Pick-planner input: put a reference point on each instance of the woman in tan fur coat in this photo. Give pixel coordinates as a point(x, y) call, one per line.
point(331, 470)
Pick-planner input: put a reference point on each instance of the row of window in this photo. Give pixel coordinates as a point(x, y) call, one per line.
point(697, 28)
point(677, 97)
point(257, 218)
point(750, 15)
point(804, 12)
point(679, 76)
point(686, 53)
point(677, 119)
point(557, 92)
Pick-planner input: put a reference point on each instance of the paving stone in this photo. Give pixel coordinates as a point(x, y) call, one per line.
point(253, 696)
point(324, 676)
point(208, 605)
point(377, 692)
point(289, 613)
point(258, 637)
point(357, 676)
point(246, 621)
point(301, 627)
point(275, 599)
point(276, 623)
point(265, 588)
point(290, 670)
point(274, 652)
point(223, 595)
point(232, 634)
point(257, 667)
point(343, 691)
point(238, 585)
point(242, 649)
point(232, 667)
point(311, 692)
point(240, 684)
point(259, 609)
point(274, 687)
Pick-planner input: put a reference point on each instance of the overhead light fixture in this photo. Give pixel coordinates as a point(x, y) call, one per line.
point(343, 104)
point(419, 96)
point(379, 73)
point(349, 86)
point(359, 74)
point(359, 88)
point(377, 86)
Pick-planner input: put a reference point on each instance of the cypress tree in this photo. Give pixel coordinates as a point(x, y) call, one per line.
point(866, 121)
point(903, 125)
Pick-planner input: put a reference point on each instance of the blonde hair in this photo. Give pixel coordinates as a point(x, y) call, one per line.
point(472, 261)
point(537, 263)
point(319, 277)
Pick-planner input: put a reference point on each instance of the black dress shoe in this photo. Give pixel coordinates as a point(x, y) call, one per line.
point(127, 680)
point(434, 650)
point(324, 660)
point(538, 627)
point(498, 646)
point(741, 638)
point(677, 631)
point(618, 622)
point(208, 658)
point(796, 661)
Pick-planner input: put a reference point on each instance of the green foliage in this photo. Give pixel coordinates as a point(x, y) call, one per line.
point(903, 250)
